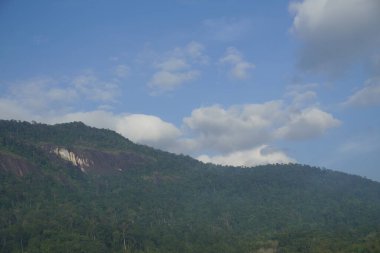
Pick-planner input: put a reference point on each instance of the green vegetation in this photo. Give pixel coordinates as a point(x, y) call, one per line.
point(170, 203)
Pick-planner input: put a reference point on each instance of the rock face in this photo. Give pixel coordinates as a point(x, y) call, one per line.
point(15, 164)
point(82, 162)
point(92, 160)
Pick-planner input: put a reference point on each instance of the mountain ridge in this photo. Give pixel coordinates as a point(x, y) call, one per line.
point(125, 197)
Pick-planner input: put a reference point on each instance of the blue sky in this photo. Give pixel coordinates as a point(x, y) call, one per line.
point(229, 82)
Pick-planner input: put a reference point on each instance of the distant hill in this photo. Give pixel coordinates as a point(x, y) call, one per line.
point(74, 188)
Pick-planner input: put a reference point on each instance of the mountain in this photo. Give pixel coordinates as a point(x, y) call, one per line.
point(74, 188)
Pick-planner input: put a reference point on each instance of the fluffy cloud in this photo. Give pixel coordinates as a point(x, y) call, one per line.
point(238, 135)
point(23, 101)
point(306, 124)
point(367, 96)
point(177, 67)
point(140, 128)
point(166, 80)
point(253, 125)
point(239, 67)
point(148, 129)
point(336, 33)
point(256, 156)
point(235, 128)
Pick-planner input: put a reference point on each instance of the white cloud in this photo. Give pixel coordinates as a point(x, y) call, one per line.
point(238, 135)
point(336, 33)
point(235, 128)
point(148, 129)
point(166, 80)
point(252, 125)
point(176, 67)
point(251, 157)
point(367, 96)
point(239, 67)
point(308, 123)
point(140, 128)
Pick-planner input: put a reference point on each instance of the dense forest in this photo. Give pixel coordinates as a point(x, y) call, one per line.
point(73, 188)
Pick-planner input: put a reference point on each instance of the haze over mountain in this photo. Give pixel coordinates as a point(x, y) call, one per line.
point(74, 188)
point(235, 82)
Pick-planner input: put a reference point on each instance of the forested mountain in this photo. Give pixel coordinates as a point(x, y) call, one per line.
point(73, 188)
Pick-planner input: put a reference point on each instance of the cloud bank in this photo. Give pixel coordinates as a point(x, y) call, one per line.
point(335, 34)
point(255, 156)
point(238, 135)
point(338, 35)
point(241, 135)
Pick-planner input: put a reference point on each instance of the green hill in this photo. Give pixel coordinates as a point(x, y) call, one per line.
point(73, 188)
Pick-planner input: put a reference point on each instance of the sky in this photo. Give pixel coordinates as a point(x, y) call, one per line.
point(232, 82)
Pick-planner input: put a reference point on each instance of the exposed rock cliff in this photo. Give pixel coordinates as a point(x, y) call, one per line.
point(91, 160)
point(82, 162)
point(15, 164)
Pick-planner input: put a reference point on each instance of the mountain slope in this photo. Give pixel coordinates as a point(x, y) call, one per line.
point(73, 188)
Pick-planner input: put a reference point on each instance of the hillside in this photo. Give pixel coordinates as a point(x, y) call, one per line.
point(73, 188)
